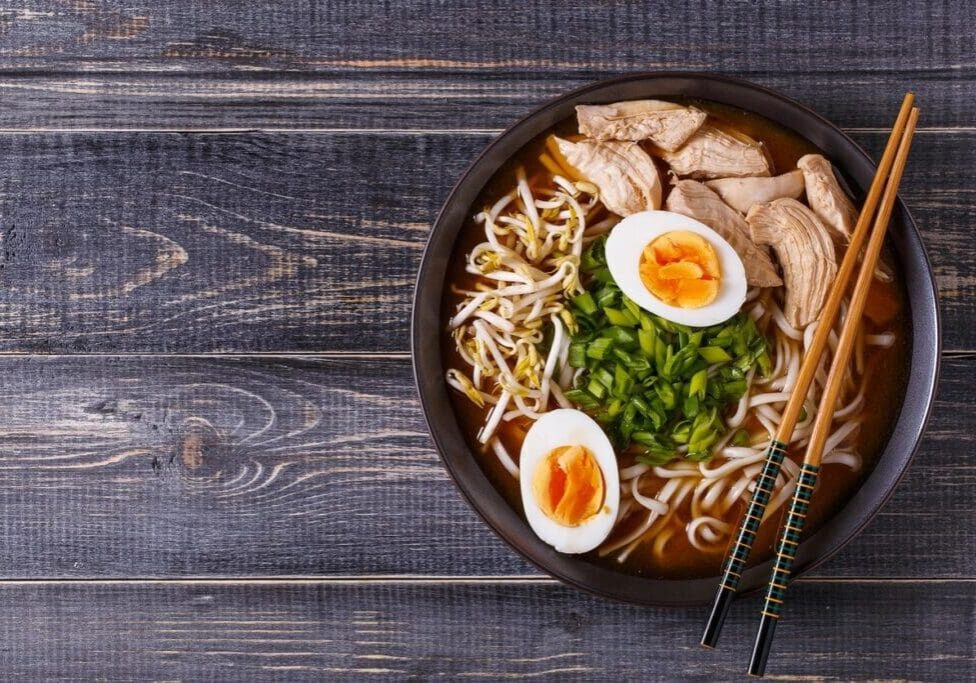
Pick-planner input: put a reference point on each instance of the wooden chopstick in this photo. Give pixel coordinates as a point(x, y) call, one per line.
point(738, 554)
point(807, 480)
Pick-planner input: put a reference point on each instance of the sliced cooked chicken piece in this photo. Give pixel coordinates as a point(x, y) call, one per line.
point(692, 198)
point(832, 205)
point(713, 153)
point(742, 193)
point(805, 252)
point(825, 196)
point(625, 175)
point(666, 124)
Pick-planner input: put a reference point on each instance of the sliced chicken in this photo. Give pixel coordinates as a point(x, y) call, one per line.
point(625, 175)
point(825, 196)
point(742, 193)
point(713, 153)
point(806, 253)
point(692, 198)
point(666, 124)
point(832, 205)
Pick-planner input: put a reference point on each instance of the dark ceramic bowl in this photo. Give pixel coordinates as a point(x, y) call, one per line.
point(857, 169)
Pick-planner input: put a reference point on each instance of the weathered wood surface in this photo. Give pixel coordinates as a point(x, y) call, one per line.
point(353, 631)
point(164, 242)
point(317, 35)
point(426, 64)
point(413, 98)
point(122, 240)
point(175, 466)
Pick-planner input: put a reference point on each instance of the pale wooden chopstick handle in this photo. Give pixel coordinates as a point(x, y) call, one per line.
point(848, 335)
point(738, 553)
point(789, 538)
point(811, 361)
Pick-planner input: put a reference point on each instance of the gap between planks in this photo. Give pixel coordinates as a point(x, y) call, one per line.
point(948, 354)
point(337, 355)
point(935, 130)
point(420, 579)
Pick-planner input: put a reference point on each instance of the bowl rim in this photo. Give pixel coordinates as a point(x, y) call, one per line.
point(461, 463)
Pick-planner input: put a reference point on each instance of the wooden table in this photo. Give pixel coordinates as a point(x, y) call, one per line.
point(212, 460)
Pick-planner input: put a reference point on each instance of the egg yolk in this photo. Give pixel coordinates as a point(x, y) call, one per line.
point(568, 485)
point(681, 269)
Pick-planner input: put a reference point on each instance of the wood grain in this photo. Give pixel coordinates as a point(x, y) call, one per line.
point(424, 35)
point(415, 99)
point(179, 466)
point(425, 64)
point(155, 242)
point(469, 631)
point(118, 239)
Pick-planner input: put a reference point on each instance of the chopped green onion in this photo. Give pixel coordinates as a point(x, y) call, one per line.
point(651, 383)
point(620, 335)
point(655, 459)
point(714, 354)
point(585, 303)
point(633, 308)
point(577, 355)
point(622, 381)
point(646, 339)
point(582, 398)
point(598, 348)
point(620, 317)
point(698, 383)
point(604, 376)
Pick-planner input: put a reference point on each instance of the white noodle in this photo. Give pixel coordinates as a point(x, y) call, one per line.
point(526, 266)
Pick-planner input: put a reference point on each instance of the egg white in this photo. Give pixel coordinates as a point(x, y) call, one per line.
point(626, 244)
point(568, 427)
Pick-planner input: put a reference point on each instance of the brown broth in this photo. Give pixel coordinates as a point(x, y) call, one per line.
point(887, 368)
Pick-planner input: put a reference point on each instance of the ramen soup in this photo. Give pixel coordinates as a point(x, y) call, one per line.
point(625, 318)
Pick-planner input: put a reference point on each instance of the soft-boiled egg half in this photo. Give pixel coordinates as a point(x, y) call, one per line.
point(569, 481)
point(677, 268)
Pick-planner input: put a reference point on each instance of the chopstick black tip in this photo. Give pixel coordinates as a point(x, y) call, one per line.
point(760, 651)
point(720, 609)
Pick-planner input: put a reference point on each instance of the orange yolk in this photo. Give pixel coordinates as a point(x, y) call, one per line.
point(681, 269)
point(568, 485)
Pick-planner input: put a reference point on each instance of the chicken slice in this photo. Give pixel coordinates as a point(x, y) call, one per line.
point(713, 153)
point(692, 198)
point(625, 175)
point(742, 193)
point(666, 124)
point(825, 196)
point(806, 253)
point(832, 205)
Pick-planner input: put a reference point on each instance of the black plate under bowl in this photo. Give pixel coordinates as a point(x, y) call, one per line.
point(858, 170)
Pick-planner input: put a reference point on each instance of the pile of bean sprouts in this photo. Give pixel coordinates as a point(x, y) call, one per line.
point(526, 268)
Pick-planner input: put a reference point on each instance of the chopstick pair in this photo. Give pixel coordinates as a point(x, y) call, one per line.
point(886, 181)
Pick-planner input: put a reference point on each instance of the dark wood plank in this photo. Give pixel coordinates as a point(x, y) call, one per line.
point(211, 243)
point(175, 466)
point(426, 64)
point(419, 99)
point(480, 631)
point(424, 35)
point(130, 242)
